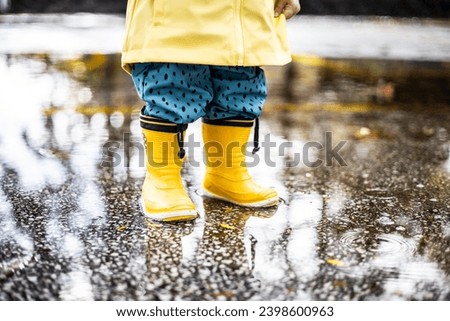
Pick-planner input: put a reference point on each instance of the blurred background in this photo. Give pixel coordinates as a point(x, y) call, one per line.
point(398, 8)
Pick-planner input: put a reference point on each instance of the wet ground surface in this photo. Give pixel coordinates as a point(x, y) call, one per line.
point(375, 226)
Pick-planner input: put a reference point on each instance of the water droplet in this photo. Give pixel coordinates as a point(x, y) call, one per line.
point(385, 221)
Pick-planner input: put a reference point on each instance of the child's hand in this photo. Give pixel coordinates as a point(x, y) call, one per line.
point(288, 7)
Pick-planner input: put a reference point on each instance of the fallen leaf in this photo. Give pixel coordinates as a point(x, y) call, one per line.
point(225, 225)
point(335, 262)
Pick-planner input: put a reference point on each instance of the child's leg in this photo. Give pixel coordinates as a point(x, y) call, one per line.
point(239, 92)
point(175, 94)
point(239, 95)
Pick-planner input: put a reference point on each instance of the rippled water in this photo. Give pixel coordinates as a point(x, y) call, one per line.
point(358, 241)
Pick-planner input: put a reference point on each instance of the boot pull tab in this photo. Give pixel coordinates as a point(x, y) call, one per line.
point(181, 152)
point(256, 147)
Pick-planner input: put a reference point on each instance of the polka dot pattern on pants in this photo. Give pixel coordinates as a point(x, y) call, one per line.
point(183, 93)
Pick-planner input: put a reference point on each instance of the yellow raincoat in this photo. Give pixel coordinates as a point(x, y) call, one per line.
point(215, 32)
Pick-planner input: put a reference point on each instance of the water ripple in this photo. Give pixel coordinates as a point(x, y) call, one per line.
point(357, 241)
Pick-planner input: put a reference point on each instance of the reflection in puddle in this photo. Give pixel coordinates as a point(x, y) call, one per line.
point(305, 214)
point(17, 247)
point(71, 167)
point(414, 278)
point(76, 286)
point(447, 163)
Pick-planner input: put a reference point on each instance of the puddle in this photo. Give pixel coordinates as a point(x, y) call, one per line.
point(71, 167)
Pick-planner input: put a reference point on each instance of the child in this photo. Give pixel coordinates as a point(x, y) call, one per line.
point(200, 59)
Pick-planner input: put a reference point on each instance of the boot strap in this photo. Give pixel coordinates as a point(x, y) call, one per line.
point(161, 125)
point(234, 122)
point(256, 137)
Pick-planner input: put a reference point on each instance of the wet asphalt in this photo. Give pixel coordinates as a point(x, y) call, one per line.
point(370, 223)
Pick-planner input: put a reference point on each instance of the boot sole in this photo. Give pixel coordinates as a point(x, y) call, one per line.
point(173, 216)
point(273, 201)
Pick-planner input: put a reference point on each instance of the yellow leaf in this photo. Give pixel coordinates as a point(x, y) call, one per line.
point(121, 228)
point(335, 262)
point(153, 224)
point(225, 225)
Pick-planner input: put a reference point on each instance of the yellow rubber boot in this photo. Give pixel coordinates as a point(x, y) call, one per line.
point(226, 177)
point(163, 195)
